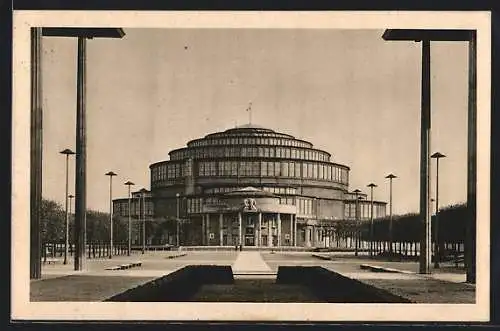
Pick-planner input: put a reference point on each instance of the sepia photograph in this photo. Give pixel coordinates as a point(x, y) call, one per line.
point(251, 166)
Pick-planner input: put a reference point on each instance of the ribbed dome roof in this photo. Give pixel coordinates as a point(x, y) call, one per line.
point(250, 126)
point(250, 191)
point(249, 131)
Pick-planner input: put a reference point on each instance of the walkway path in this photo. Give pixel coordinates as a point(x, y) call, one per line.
point(250, 263)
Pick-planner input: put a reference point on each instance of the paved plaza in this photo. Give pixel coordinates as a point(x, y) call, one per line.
point(446, 285)
point(250, 263)
point(60, 283)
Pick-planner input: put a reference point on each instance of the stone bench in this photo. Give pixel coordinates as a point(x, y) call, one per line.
point(50, 261)
point(376, 268)
point(176, 255)
point(125, 266)
point(322, 256)
point(459, 259)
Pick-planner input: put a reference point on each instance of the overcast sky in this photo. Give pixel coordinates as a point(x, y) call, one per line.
point(348, 92)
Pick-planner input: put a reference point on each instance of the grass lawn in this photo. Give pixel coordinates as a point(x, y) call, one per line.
point(427, 291)
point(82, 288)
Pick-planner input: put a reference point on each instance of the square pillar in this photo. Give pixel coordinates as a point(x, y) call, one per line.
point(36, 154)
point(425, 143)
point(291, 230)
point(470, 236)
point(80, 259)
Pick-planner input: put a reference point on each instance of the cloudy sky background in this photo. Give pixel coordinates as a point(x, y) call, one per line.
point(348, 92)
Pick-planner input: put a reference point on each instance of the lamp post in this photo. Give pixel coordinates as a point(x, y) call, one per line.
point(129, 249)
point(437, 256)
point(110, 174)
point(371, 186)
point(66, 152)
point(390, 177)
point(71, 196)
point(356, 192)
point(432, 208)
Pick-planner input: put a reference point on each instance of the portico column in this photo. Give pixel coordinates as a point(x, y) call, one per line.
point(203, 230)
point(313, 231)
point(279, 229)
point(208, 230)
point(294, 219)
point(291, 230)
point(239, 229)
point(221, 225)
point(307, 236)
point(269, 234)
point(259, 236)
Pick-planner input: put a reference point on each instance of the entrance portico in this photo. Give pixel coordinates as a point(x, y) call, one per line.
point(248, 217)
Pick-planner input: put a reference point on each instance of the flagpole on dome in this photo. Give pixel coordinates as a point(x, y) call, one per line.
point(249, 110)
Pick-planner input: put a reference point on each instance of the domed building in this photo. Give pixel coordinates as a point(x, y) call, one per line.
point(251, 186)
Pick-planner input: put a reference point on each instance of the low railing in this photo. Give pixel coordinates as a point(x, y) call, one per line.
point(235, 248)
point(53, 250)
point(406, 251)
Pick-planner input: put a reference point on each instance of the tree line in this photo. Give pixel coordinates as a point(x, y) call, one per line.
point(408, 227)
point(53, 226)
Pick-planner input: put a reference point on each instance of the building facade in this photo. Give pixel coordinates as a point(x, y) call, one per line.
point(252, 186)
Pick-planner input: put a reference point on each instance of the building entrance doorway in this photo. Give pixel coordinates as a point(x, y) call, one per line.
point(249, 236)
point(249, 240)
